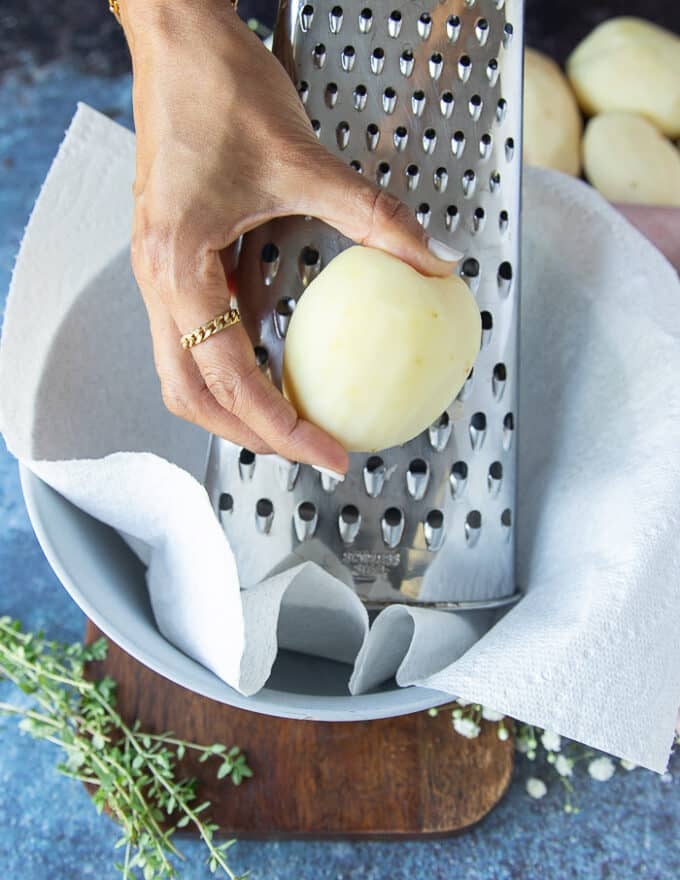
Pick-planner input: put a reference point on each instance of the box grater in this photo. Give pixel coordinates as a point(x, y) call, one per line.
point(424, 97)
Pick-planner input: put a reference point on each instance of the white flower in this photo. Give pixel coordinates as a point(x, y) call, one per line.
point(627, 765)
point(490, 715)
point(551, 741)
point(563, 765)
point(466, 727)
point(602, 769)
point(462, 702)
point(536, 788)
point(522, 744)
point(503, 733)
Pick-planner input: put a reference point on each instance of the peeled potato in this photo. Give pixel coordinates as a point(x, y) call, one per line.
point(552, 120)
point(375, 351)
point(631, 65)
point(628, 160)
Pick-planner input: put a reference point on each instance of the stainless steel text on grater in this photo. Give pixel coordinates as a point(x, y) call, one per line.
point(423, 97)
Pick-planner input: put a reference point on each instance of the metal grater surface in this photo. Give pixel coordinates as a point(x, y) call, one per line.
point(423, 97)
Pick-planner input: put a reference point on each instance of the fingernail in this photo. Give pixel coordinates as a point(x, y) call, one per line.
point(443, 251)
point(334, 475)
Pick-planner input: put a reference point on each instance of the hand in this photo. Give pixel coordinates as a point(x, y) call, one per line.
point(223, 144)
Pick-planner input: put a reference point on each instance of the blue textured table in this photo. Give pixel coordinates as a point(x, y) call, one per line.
point(48, 828)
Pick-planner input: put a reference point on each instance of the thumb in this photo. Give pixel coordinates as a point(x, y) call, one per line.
point(338, 195)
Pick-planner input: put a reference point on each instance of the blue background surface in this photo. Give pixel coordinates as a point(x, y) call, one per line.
point(48, 828)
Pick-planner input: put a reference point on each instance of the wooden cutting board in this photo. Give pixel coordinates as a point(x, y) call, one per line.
point(398, 777)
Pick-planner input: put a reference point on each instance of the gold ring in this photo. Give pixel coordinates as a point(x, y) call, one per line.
point(219, 322)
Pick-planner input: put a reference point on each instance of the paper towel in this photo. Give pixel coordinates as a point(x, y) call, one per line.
point(592, 651)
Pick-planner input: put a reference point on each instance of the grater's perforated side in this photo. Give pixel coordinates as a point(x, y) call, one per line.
point(424, 97)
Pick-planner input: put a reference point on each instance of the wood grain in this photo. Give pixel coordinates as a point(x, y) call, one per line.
point(398, 777)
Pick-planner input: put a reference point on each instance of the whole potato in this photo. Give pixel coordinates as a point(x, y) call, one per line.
point(631, 65)
point(628, 160)
point(375, 352)
point(552, 120)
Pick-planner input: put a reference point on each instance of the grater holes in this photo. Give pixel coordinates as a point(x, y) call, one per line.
point(418, 101)
point(305, 520)
point(394, 23)
point(458, 143)
point(306, 17)
point(383, 174)
point(303, 90)
point(464, 68)
point(319, 55)
point(433, 529)
point(446, 104)
point(429, 140)
point(377, 60)
point(508, 33)
point(487, 328)
point(349, 523)
point(458, 479)
point(453, 28)
point(492, 71)
point(506, 518)
point(342, 134)
point(359, 96)
point(509, 148)
point(469, 183)
point(485, 144)
point(439, 432)
point(365, 20)
point(356, 165)
point(389, 99)
point(494, 478)
point(503, 221)
point(417, 478)
point(424, 25)
point(441, 179)
point(283, 312)
point(494, 181)
point(374, 474)
point(392, 524)
point(482, 31)
point(475, 105)
point(270, 260)
point(451, 217)
point(331, 94)
point(226, 503)
point(406, 62)
point(316, 126)
point(347, 58)
point(246, 464)
point(423, 214)
point(501, 109)
point(261, 356)
point(478, 220)
point(309, 265)
point(372, 136)
point(307, 511)
point(435, 65)
point(477, 431)
point(504, 278)
point(508, 430)
point(412, 176)
point(264, 515)
point(498, 380)
point(400, 137)
point(335, 17)
point(264, 507)
point(473, 527)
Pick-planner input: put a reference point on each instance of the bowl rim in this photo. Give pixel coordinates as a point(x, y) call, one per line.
point(268, 701)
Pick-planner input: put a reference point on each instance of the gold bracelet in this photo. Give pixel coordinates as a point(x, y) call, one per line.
point(114, 8)
point(214, 325)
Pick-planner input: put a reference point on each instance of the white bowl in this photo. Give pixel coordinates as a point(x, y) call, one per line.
point(105, 578)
